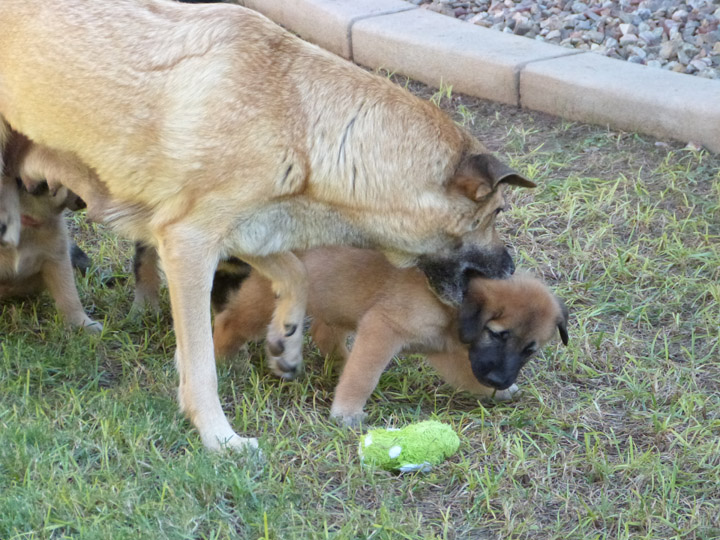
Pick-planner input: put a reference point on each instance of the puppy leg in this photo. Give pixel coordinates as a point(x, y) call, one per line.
point(57, 274)
point(330, 340)
point(374, 347)
point(189, 262)
point(455, 369)
point(285, 333)
point(247, 313)
point(147, 278)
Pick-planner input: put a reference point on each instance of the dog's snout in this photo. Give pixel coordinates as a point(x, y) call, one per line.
point(3, 229)
point(507, 264)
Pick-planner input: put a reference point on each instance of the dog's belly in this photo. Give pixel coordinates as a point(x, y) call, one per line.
point(291, 225)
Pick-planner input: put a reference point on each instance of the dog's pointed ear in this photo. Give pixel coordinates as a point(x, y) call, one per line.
point(479, 174)
point(562, 323)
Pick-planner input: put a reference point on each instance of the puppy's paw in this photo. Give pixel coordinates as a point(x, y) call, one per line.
point(144, 304)
point(349, 418)
point(506, 395)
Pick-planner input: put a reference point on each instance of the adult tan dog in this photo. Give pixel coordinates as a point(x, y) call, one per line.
point(479, 347)
point(35, 249)
point(208, 131)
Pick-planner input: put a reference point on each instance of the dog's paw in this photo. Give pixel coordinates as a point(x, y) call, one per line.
point(93, 326)
point(87, 324)
point(507, 394)
point(234, 443)
point(285, 351)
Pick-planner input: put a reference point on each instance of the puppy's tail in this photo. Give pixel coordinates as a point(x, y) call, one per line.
point(4, 137)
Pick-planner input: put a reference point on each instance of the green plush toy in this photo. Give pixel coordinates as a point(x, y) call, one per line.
point(416, 447)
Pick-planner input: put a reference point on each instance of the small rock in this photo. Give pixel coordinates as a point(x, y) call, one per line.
point(654, 64)
point(553, 34)
point(627, 29)
point(668, 49)
point(635, 60)
point(644, 13)
point(701, 64)
point(651, 38)
point(709, 74)
point(628, 39)
point(579, 7)
point(637, 51)
point(680, 15)
point(686, 52)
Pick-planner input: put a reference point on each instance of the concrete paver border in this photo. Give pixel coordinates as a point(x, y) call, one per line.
point(437, 49)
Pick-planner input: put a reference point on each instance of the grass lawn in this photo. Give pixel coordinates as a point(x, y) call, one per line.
point(616, 436)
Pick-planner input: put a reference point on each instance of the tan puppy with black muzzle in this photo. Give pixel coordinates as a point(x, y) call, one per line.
point(35, 249)
point(479, 347)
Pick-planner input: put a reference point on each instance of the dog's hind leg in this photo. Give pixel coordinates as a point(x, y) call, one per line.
point(189, 262)
point(289, 281)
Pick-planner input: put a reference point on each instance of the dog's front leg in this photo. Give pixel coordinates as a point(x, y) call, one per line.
point(289, 281)
point(189, 263)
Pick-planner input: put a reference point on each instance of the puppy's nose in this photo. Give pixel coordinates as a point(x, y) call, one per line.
point(498, 380)
point(3, 229)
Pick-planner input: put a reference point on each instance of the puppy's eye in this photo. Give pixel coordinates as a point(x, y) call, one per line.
point(498, 210)
point(530, 349)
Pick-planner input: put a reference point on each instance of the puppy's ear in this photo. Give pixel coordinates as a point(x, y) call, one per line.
point(562, 323)
point(479, 174)
point(468, 324)
point(473, 316)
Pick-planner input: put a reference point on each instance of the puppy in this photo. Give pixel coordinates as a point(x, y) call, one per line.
point(479, 347)
point(35, 253)
point(207, 131)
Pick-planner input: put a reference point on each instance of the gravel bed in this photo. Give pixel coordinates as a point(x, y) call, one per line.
point(681, 36)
